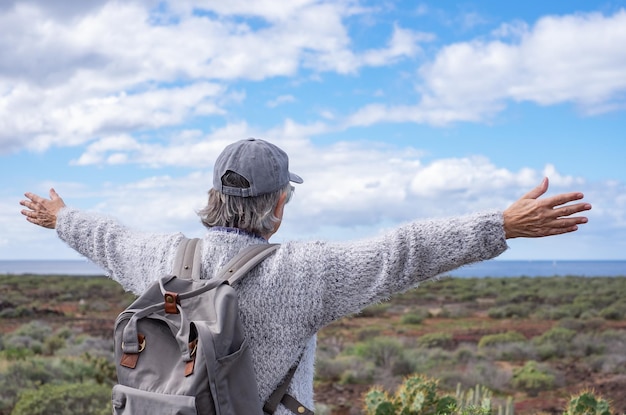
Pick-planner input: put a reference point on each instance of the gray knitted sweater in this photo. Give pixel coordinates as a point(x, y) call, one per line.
point(303, 286)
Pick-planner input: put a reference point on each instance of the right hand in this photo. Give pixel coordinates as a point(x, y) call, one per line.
point(531, 217)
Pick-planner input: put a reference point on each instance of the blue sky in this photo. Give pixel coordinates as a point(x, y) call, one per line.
point(391, 111)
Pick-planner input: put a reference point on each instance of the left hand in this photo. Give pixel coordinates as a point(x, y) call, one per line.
point(41, 211)
point(531, 217)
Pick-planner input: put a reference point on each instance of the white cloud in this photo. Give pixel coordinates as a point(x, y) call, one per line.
point(468, 176)
point(61, 120)
point(403, 43)
point(575, 59)
point(282, 99)
point(122, 67)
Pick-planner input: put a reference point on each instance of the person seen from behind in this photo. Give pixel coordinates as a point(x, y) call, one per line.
point(304, 285)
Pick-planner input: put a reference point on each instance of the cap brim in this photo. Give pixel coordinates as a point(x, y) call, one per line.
point(295, 178)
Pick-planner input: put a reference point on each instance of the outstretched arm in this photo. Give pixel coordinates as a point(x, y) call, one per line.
point(531, 217)
point(41, 211)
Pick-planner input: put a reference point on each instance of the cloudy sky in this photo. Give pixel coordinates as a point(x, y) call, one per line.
point(390, 110)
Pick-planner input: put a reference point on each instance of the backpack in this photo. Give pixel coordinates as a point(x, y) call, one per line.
point(180, 347)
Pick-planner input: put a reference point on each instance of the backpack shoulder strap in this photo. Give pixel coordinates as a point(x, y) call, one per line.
point(188, 257)
point(187, 260)
point(244, 261)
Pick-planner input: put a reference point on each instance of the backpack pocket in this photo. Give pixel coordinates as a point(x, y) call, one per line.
point(131, 401)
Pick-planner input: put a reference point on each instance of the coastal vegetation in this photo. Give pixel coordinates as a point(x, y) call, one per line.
point(522, 345)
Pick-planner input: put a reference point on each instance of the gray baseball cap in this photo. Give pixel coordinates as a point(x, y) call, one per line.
point(262, 164)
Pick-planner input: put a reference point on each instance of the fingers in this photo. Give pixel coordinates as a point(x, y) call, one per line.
point(35, 198)
point(27, 203)
point(561, 231)
point(571, 209)
point(537, 191)
point(562, 199)
point(53, 194)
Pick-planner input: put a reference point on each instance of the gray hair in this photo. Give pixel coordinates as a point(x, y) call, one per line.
point(251, 214)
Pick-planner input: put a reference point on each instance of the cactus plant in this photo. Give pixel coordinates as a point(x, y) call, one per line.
point(416, 396)
point(588, 404)
point(478, 397)
point(419, 395)
point(378, 402)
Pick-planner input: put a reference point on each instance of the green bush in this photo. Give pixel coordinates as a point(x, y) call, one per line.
point(501, 338)
point(36, 330)
point(52, 344)
point(65, 399)
point(13, 353)
point(17, 312)
point(555, 335)
point(511, 311)
point(382, 351)
point(344, 369)
point(518, 351)
point(438, 339)
point(367, 333)
point(580, 325)
point(426, 360)
point(375, 310)
point(464, 354)
point(22, 375)
point(556, 342)
point(412, 318)
point(532, 378)
point(485, 373)
point(616, 311)
point(28, 374)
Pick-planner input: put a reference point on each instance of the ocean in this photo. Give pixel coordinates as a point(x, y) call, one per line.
point(493, 268)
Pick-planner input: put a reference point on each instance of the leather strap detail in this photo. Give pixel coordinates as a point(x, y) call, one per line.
point(280, 396)
point(295, 406)
point(272, 402)
point(129, 360)
point(189, 366)
point(171, 300)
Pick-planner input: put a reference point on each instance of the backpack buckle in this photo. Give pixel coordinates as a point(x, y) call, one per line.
point(129, 360)
point(171, 301)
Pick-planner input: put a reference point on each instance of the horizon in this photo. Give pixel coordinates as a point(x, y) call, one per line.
point(496, 268)
point(390, 112)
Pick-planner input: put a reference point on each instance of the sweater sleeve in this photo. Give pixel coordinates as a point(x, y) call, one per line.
point(350, 276)
point(132, 258)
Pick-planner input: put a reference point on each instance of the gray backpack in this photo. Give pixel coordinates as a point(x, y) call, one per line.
point(180, 348)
